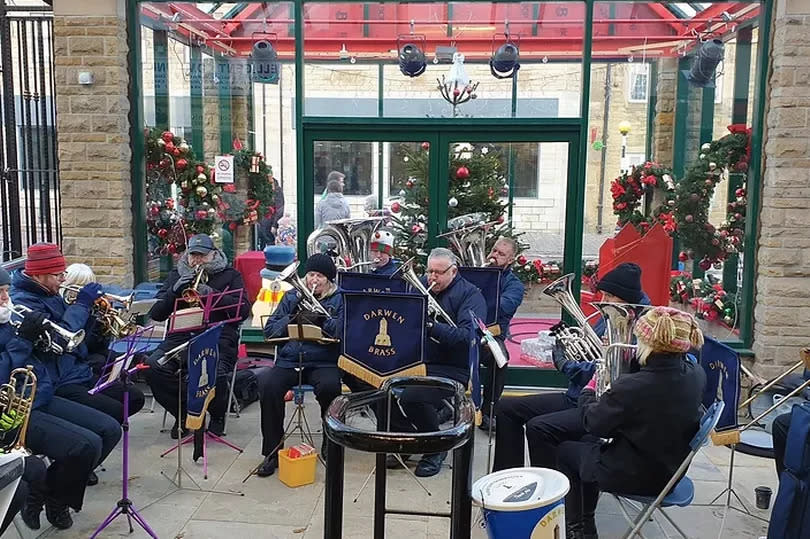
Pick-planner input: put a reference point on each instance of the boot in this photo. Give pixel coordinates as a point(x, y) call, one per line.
point(177, 432)
point(217, 426)
point(268, 467)
point(32, 508)
point(58, 515)
point(199, 440)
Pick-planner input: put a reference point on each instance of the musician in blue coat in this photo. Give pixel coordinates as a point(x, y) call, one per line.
point(319, 361)
point(381, 250)
point(501, 256)
point(448, 352)
point(75, 437)
point(37, 287)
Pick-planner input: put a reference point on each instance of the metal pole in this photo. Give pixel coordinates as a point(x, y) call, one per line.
point(460, 502)
point(333, 505)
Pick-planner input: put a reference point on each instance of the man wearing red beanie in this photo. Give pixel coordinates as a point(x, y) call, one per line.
point(37, 287)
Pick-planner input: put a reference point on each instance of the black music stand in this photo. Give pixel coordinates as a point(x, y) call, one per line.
point(301, 330)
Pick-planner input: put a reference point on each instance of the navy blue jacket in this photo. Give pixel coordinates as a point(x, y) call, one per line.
point(66, 368)
point(313, 354)
point(388, 269)
point(17, 353)
point(448, 347)
point(511, 297)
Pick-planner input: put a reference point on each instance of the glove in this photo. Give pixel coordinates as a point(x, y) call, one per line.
point(558, 356)
point(182, 283)
point(592, 384)
point(32, 327)
point(205, 290)
point(89, 294)
point(10, 421)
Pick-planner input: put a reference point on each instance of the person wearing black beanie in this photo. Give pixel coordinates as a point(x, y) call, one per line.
point(319, 361)
point(622, 284)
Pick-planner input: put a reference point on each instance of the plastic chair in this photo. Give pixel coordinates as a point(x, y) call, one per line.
point(682, 489)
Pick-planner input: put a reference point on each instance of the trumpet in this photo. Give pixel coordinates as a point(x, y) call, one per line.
point(308, 300)
point(46, 342)
point(17, 402)
point(434, 309)
point(112, 320)
point(190, 294)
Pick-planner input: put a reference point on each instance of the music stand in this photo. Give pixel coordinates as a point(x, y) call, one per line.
point(118, 369)
point(300, 330)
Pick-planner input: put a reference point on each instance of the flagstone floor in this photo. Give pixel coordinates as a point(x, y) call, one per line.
point(268, 509)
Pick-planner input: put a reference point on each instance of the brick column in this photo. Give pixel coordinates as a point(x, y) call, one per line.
point(93, 136)
point(782, 308)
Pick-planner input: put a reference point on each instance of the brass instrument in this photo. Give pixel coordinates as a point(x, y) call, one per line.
point(308, 300)
point(467, 237)
point(620, 319)
point(17, 402)
point(352, 238)
point(434, 309)
point(113, 321)
point(589, 342)
point(46, 342)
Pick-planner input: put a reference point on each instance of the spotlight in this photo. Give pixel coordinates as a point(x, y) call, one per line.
point(412, 61)
point(505, 61)
point(702, 73)
point(264, 62)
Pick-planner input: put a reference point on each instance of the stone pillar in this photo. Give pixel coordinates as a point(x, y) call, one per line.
point(664, 121)
point(93, 136)
point(241, 86)
point(782, 306)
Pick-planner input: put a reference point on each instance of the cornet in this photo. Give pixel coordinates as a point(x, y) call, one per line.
point(46, 342)
point(190, 294)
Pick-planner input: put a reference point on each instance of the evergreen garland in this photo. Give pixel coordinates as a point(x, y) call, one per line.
point(633, 188)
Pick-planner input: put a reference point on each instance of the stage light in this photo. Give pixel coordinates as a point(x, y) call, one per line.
point(264, 62)
point(412, 62)
point(709, 55)
point(505, 61)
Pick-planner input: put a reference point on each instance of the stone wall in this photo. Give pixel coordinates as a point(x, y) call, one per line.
point(782, 311)
point(94, 143)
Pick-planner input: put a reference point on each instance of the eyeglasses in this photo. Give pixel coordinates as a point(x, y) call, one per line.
point(439, 272)
point(59, 275)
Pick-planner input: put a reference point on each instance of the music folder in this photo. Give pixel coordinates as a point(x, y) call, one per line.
point(302, 328)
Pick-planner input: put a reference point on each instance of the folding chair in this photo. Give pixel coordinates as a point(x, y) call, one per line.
point(684, 490)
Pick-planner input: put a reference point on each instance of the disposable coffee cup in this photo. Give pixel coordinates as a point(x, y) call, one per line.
point(763, 495)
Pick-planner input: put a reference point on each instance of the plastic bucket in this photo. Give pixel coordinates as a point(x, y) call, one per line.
point(523, 502)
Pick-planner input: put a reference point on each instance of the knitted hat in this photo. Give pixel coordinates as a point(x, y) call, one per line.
point(323, 265)
point(664, 329)
point(5, 278)
point(623, 281)
point(382, 241)
point(44, 258)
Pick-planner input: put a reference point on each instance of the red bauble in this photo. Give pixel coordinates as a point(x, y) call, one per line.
point(683, 257)
point(395, 207)
point(154, 210)
point(232, 226)
point(737, 216)
point(724, 233)
point(200, 169)
point(167, 137)
point(689, 218)
point(162, 233)
point(172, 248)
point(426, 146)
point(201, 214)
point(499, 220)
point(416, 229)
point(740, 192)
point(164, 163)
point(169, 147)
point(522, 260)
point(456, 92)
point(181, 164)
point(462, 173)
point(709, 183)
point(176, 152)
point(409, 184)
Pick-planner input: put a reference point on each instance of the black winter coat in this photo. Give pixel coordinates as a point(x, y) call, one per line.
point(650, 417)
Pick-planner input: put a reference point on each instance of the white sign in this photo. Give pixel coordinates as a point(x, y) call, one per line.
point(224, 167)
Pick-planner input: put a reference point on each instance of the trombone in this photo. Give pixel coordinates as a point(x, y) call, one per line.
point(46, 342)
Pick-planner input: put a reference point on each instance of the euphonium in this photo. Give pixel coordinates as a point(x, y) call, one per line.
point(560, 290)
point(308, 300)
point(17, 402)
point(620, 319)
point(72, 339)
point(434, 309)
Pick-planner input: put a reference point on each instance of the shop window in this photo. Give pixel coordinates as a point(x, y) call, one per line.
point(638, 80)
point(354, 159)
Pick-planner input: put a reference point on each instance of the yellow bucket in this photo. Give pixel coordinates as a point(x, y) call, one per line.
point(296, 472)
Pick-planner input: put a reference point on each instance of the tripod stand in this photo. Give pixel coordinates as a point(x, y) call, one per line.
point(124, 506)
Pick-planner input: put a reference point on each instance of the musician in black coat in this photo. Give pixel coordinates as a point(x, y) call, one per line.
point(648, 417)
point(217, 277)
point(448, 353)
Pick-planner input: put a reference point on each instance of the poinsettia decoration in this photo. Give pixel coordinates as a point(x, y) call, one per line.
point(635, 192)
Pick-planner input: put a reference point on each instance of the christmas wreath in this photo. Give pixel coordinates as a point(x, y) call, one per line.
point(700, 238)
point(260, 192)
point(537, 271)
point(647, 181)
point(170, 161)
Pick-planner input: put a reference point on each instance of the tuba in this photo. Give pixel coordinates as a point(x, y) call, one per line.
point(467, 237)
point(16, 400)
point(46, 342)
point(620, 319)
point(434, 308)
point(352, 239)
point(308, 300)
point(114, 322)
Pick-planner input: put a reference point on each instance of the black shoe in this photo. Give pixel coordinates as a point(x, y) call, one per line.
point(58, 515)
point(217, 426)
point(199, 440)
point(92, 479)
point(484, 426)
point(392, 462)
point(176, 432)
point(268, 467)
point(30, 514)
point(430, 465)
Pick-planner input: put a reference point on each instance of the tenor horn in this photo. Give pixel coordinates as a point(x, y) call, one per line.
point(72, 338)
point(620, 319)
point(16, 401)
point(308, 299)
point(560, 290)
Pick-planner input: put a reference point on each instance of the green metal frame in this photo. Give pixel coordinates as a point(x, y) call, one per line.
point(196, 84)
point(160, 46)
point(439, 131)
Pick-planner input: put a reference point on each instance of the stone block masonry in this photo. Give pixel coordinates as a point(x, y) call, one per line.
point(94, 143)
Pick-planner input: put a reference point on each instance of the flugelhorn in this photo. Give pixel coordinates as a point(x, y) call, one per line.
point(113, 321)
point(72, 339)
point(190, 295)
point(434, 309)
point(74, 290)
point(308, 300)
point(16, 400)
